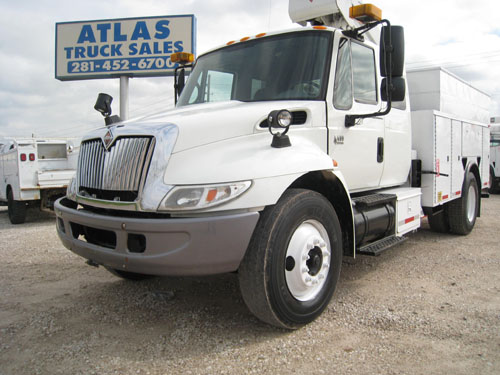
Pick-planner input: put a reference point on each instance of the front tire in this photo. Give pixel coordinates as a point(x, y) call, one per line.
point(16, 209)
point(292, 264)
point(462, 212)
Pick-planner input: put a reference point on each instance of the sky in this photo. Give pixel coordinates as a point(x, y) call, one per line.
point(462, 36)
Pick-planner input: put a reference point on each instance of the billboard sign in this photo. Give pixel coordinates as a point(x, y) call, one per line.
point(133, 47)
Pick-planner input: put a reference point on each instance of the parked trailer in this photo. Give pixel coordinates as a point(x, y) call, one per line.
point(34, 170)
point(285, 152)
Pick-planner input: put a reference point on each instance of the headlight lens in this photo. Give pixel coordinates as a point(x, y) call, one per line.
point(202, 196)
point(71, 189)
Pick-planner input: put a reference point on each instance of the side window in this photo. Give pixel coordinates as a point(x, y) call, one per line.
point(364, 77)
point(219, 86)
point(215, 86)
point(195, 95)
point(342, 91)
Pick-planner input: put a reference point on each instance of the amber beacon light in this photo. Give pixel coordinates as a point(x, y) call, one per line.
point(365, 13)
point(182, 58)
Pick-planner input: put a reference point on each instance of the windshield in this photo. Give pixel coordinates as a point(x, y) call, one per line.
point(292, 66)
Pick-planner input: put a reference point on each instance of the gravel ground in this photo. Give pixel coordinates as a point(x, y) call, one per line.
point(428, 306)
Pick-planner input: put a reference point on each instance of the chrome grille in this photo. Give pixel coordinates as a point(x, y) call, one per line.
point(120, 168)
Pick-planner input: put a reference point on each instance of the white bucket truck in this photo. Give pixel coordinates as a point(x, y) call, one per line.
point(205, 188)
point(34, 170)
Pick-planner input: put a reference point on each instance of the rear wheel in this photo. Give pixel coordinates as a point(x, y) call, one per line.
point(462, 212)
point(16, 209)
point(292, 265)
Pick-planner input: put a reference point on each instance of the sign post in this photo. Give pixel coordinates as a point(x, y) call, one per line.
point(124, 98)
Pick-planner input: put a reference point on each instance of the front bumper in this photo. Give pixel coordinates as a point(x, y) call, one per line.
point(171, 246)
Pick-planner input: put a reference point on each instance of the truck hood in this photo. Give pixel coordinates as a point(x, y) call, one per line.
point(202, 124)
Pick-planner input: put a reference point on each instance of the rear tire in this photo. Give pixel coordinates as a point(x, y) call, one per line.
point(132, 276)
point(292, 265)
point(462, 212)
point(16, 209)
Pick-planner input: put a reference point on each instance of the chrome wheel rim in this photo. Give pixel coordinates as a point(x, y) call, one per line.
point(307, 260)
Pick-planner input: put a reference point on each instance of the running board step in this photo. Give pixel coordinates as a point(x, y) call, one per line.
point(374, 200)
point(377, 247)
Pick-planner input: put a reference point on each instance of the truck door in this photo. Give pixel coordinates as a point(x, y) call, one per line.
point(357, 149)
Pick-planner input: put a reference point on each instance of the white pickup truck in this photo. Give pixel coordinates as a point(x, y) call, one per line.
point(34, 170)
point(285, 152)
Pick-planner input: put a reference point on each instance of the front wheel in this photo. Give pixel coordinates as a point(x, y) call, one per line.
point(292, 265)
point(462, 212)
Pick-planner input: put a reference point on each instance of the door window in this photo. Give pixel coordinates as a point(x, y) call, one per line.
point(355, 76)
point(363, 71)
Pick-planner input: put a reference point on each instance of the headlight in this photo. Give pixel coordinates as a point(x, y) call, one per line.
point(203, 196)
point(71, 190)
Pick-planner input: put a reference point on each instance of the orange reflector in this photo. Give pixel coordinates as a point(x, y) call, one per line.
point(211, 195)
point(182, 57)
point(260, 35)
point(365, 13)
point(335, 164)
point(231, 42)
point(320, 27)
point(244, 39)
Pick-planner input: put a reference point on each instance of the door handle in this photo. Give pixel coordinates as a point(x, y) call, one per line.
point(380, 150)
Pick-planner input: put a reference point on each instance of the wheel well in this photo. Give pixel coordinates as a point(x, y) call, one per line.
point(329, 185)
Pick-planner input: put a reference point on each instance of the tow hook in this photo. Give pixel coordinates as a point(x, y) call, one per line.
point(90, 262)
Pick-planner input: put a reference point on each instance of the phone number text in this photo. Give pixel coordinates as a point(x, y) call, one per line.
point(120, 65)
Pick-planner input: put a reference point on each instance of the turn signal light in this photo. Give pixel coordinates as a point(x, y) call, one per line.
point(365, 13)
point(23, 157)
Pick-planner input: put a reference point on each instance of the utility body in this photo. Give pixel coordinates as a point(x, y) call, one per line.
point(286, 151)
point(34, 171)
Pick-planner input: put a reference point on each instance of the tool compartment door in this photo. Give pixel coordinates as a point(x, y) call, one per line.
point(442, 169)
point(457, 169)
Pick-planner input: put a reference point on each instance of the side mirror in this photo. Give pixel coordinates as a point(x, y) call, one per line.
point(397, 89)
point(184, 60)
point(181, 81)
point(392, 42)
